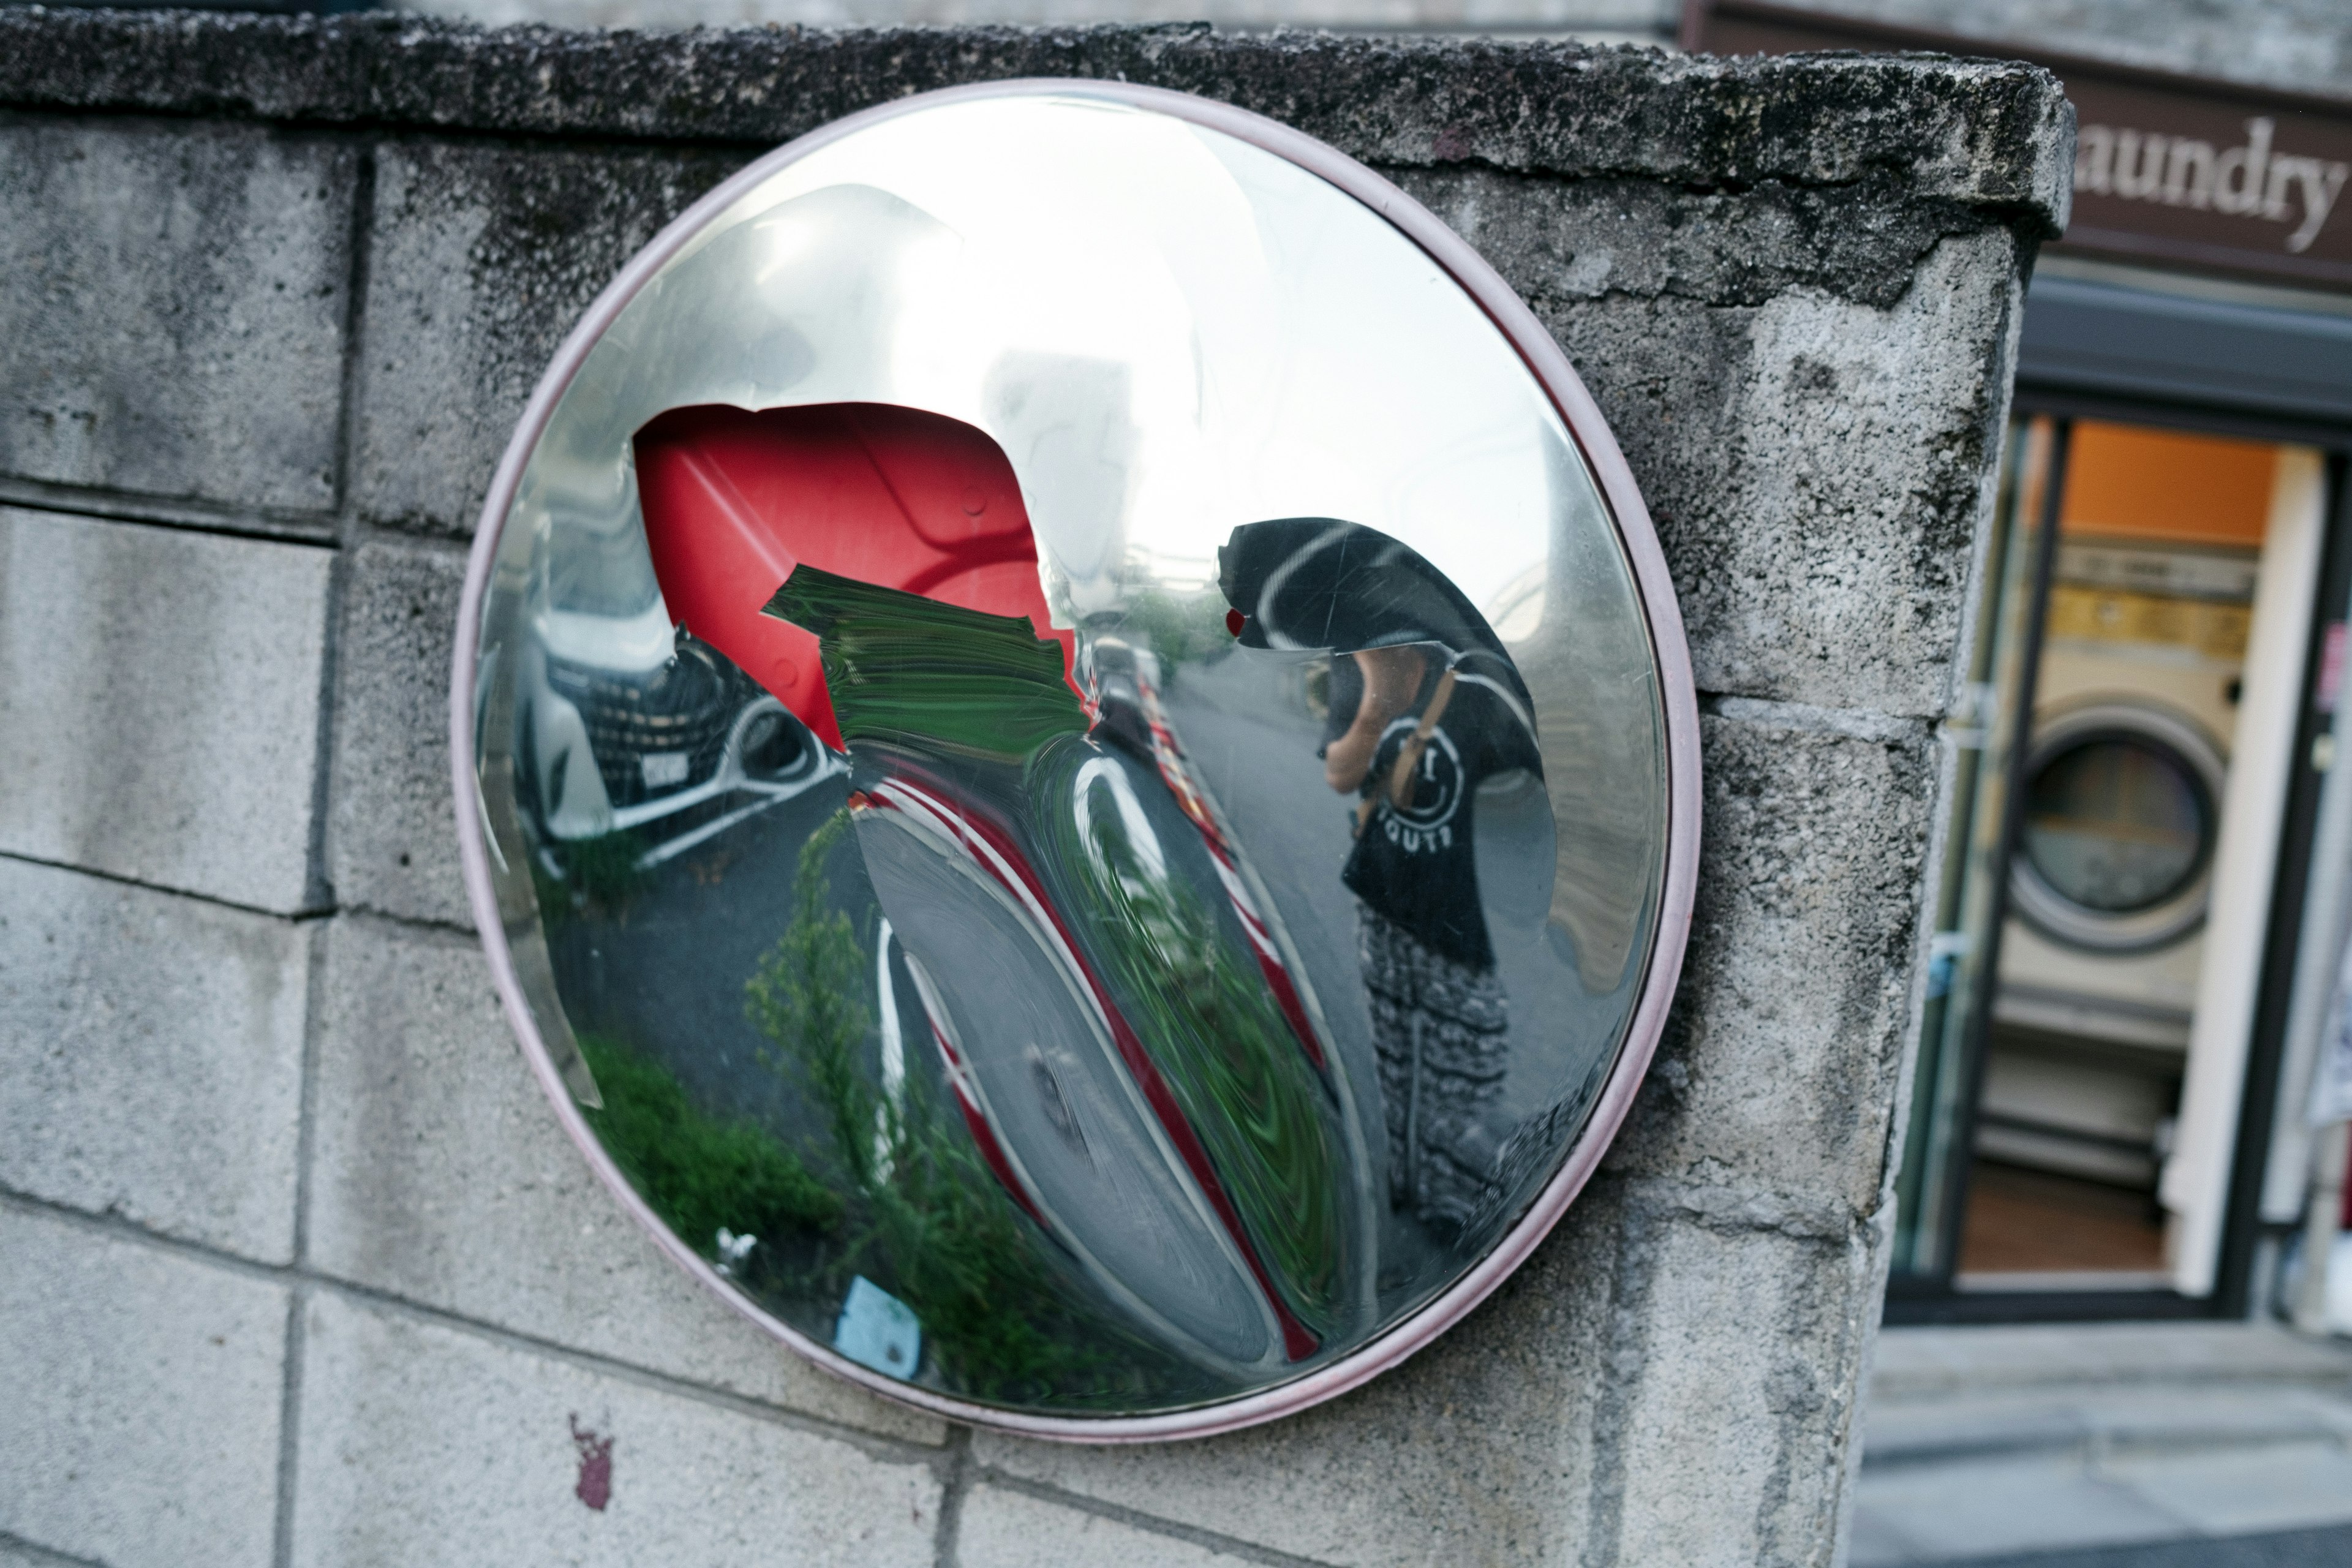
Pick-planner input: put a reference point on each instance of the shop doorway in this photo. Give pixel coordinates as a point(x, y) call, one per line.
point(2132, 965)
point(2126, 773)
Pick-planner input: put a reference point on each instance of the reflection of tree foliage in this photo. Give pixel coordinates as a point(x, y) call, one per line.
point(924, 1217)
point(700, 1172)
point(601, 875)
point(1179, 630)
point(805, 997)
point(1202, 1008)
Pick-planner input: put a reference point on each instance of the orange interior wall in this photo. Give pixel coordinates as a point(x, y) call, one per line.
point(2128, 482)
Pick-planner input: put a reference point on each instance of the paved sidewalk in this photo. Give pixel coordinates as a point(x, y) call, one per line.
point(2002, 1443)
point(2330, 1548)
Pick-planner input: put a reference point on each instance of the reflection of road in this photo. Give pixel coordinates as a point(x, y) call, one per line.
point(666, 972)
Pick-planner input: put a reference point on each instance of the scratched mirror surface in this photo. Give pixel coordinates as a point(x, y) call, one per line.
point(1072, 763)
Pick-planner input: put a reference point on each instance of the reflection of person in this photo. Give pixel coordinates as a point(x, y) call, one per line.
point(1426, 705)
point(1415, 734)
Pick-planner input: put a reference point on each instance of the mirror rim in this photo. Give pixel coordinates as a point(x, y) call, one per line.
point(1545, 361)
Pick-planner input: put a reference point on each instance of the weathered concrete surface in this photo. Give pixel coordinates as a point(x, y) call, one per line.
point(1986, 134)
point(174, 313)
point(390, 844)
point(159, 691)
point(1485, 1448)
point(1776, 1079)
point(1002, 1527)
point(151, 1057)
point(1790, 284)
point(424, 1443)
point(144, 1398)
point(1813, 457)
point(442, 1176)
point(483, 259)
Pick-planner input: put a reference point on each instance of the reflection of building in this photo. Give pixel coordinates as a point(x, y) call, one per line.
point(1068, 423)
point(2145, 894)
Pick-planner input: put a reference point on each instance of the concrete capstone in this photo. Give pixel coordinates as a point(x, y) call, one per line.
point(175, 307)
point(1988, 134)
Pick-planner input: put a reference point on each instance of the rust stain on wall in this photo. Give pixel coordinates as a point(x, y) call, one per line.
point(595, 1484)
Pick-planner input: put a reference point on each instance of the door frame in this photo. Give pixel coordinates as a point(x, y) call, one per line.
point(2193, 366)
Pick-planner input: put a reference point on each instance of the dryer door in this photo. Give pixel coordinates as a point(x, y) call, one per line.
point(2122, 808)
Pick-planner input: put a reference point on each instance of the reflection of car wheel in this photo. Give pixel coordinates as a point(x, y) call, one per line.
point(2122, 807)
point(772, 747)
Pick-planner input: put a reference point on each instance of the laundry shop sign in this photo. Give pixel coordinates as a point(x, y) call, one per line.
point(2205, 177)
point(2168, 169)
point(2254, 180)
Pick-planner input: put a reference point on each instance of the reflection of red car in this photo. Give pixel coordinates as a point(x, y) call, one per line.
point(890, 496)
point(1126, 680)
point(992, 856)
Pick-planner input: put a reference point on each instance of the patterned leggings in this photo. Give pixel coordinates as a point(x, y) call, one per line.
point(1442, 1031)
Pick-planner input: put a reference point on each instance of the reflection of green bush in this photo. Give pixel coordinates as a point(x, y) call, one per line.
point(698, 1172)
point(605, 869)
point(926, 1218)
point(903, 667)
point(599, 875)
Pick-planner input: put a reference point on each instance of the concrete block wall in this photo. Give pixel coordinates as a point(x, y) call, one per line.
point(295, 1264)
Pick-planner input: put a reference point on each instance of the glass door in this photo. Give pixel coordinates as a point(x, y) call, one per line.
point(2120, 763)
point(1980, 739)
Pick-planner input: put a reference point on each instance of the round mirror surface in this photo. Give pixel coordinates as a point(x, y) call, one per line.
point(1067, 763)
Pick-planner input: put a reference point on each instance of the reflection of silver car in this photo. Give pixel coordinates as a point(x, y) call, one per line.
point(629, 725)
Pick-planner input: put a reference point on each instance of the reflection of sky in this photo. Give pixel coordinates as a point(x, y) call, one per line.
point(1283, 351)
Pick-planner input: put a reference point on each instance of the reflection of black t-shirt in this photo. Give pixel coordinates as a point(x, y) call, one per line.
point(1415, 865)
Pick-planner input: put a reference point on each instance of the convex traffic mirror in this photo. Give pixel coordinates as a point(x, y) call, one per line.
point(1075, 759)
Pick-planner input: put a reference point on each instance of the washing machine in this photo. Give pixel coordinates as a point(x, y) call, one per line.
point(2123, 783)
